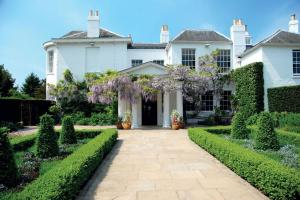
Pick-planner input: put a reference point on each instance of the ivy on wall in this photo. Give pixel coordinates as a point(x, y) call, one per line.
point(284, 99)
point(249, 84)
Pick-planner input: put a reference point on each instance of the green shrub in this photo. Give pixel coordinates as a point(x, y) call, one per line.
point(269, 176)
point(11, 125)
point(288, 119)
point(8, 167)
point(249, 88)
point(68, 135)
point(239, 129)
point(252, 119)
point(65, 180)
point(286, 137)
point(83, 134)
point(47, 145)
point(284, 99)
point(21, 143)
point(266, 137)
point(292, 128)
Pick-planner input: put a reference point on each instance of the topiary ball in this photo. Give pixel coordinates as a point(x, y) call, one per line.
point(239, 129)
point(266, 137)
point(68, 135)
point(8, 169)
point(47, 145)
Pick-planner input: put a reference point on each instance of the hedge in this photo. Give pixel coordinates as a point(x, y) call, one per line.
point(65, 180)
point(284, 99)
point(249, 84)
point(272, 178)
point(21, 143)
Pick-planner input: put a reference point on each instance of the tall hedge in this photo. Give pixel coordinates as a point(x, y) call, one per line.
point(249, 84)
point(47, 145)
point(284, 99)
point(68, 135)
point(8, 167)
point(239, 129)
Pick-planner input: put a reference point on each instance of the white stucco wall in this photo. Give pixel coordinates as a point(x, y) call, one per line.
point(145, 54)
point(254, 56)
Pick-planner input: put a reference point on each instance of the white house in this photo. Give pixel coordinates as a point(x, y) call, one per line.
point(99, 49)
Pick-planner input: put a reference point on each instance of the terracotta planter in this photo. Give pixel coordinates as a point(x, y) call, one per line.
point(181, 125)
point(126, 125)
point(119, 125)
point(175, 126)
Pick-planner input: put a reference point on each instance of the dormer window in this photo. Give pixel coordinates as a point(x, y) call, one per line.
point(50, 61)
point(296, 62)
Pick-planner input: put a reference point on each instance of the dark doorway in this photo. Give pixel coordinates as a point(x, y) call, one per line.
point(149, 112)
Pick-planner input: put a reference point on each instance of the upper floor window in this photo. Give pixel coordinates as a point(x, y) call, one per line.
point(50, 61)
point(160, 62)
point(136, 62)
point(296, 62)
point(225, 103)
point(223, 60)
point(188, 57)
point(207, 101)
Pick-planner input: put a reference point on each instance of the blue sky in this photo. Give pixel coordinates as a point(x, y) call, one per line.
point(25, 25)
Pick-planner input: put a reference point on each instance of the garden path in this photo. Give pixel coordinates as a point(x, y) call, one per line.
point(162, 164)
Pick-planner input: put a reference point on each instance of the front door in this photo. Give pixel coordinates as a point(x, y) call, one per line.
point(149, 112)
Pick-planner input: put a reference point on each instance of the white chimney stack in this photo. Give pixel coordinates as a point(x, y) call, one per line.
point(164, 34)
point(93, 24)
point(293, 24)
point(240, 37)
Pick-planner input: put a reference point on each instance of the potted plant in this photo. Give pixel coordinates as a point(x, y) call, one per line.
point(175, 120)
point(181, 122)
point(119, 123)
point(126, 123)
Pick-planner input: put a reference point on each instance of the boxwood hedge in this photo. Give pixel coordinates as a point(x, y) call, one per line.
point(249, 84)
point(272, 178)
point(284, 99)
point(65, 180)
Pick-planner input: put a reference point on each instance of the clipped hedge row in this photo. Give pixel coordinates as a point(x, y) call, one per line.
point(249, 84)
point(284, 99)
point(272, 178)
point(21, 143)
point(65, 180)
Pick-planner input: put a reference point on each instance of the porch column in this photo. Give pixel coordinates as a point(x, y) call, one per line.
point(159, 109)
point(121, 106)
point(135, 110)
point(179, 99)
point(166, 110)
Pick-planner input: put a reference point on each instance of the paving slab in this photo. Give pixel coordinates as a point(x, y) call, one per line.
point(162, 164)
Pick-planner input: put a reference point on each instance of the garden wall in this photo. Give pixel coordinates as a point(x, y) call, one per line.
point(28, 111)
point(249, 83)
point(284, 99)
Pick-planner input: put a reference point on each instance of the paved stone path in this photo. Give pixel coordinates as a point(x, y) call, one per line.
point(164, 164)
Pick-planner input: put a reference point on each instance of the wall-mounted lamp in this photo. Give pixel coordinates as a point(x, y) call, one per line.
point(92, 43)
point(207, 45)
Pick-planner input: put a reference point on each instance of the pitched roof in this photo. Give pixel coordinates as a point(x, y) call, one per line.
point(83, 34)
point(201, 36)
point(280, 37)
point(147, 46)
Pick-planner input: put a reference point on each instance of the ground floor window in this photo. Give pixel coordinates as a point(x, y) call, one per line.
point(189, 106)
point(207, 101)
point(225, 103)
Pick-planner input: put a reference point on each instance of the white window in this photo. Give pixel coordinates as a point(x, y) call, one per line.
point(223, 60)
point(296, 62)
point(207, 101)
point(50, 61)
point(225, 103)
point(160, 62)
point(136, 62)
point(188, 57)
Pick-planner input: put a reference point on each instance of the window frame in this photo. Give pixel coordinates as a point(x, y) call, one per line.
point(159, 62)
point(225, 103)
point(188, 57)
point(50, 61)
point(224, 60)
point(138, 62)
point(296, 62)
point(208, 97)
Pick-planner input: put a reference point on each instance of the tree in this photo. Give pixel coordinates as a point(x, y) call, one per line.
point(47, 145)
point(40, 92)
point(6, 81)
point(68, 135)
point(8, 167)
point(31, 84)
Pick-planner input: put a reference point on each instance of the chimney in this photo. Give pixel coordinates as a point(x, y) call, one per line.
point(164, 34)
point(93, 24)
point(293, 24)
point(240, 37)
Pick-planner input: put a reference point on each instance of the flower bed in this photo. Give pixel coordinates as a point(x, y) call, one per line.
point(65, 179)
point(271, 177)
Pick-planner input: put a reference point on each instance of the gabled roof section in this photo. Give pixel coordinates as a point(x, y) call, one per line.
point(200, 36)
point(146, 68)
point(147, 46)
point(104, 33)
point(279, 38)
